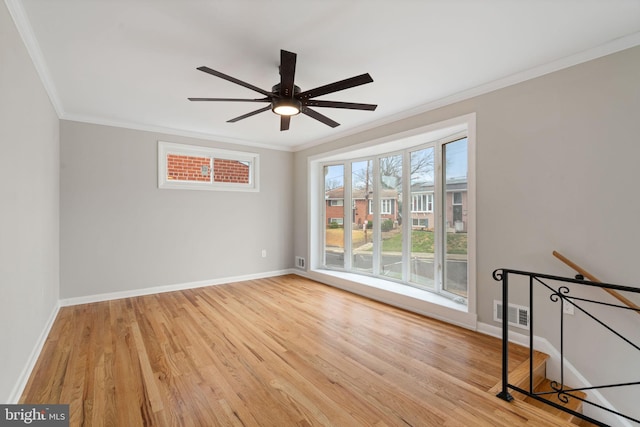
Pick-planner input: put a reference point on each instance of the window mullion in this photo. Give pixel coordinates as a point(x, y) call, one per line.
point(439, 229)
point(407, 204)
point(376, 204)
point(323, 214)
point(348, 222)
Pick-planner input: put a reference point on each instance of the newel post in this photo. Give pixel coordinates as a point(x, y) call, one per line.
point(502, 275)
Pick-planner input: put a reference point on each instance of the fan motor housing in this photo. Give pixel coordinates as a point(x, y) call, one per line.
point(276, 90)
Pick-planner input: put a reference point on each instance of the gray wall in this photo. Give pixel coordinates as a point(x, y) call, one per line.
point(557, 168)
point(29, 208)
point(119, 232)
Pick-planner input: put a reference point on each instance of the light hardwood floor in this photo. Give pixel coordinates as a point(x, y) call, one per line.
point(284, 351)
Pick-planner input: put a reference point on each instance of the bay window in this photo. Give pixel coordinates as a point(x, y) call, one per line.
point(410, 216)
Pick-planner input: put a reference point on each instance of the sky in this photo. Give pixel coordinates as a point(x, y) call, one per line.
point(456, 165)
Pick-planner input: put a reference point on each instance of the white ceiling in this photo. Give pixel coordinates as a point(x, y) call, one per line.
point(132, 63)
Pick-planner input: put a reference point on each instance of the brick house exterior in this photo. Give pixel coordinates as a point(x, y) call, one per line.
point(421, 203)
point(198, 169)
point(188, 168)
point(361, 209)
point(234, 171)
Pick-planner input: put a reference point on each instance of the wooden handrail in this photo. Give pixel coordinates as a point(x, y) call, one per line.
point(593, 278)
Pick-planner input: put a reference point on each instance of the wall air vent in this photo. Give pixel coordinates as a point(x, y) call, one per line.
point(518, 314)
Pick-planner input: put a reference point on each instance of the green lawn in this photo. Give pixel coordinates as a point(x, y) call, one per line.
point(422, 241)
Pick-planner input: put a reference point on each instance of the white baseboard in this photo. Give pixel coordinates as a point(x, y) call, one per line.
point(170, 288)
point(571, 375)
point(18, 388)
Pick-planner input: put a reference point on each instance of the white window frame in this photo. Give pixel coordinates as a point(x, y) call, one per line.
point(386, 206)
point(166, 148)
point(339, 221)
point(453, 198)
point(424, 202)
point(447, 309)
point(415, 222)
point(416, 202)
point(336, 202)
point(383, 202)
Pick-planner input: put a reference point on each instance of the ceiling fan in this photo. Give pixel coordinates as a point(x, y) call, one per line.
point(286, 99)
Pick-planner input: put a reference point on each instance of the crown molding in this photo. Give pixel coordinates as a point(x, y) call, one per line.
point(170, 131)
point(23, 26)
point(25, 30)
point(609, 48)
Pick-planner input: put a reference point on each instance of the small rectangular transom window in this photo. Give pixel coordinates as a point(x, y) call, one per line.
point(194, 167)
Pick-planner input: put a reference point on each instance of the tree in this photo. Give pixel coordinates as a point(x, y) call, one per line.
point(422, 165)
point(333, 177)
point(420, 170)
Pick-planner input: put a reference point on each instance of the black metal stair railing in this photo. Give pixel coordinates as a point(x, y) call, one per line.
point(561, 293)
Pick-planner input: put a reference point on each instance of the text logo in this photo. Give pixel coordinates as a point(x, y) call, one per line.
point(34, 415)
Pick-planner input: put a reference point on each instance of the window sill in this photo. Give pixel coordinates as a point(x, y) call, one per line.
point(402, 296)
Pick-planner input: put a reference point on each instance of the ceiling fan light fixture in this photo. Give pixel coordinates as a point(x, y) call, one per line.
point(286, 99)
point(286, 107)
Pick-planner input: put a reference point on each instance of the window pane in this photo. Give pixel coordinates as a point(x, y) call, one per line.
point(390, 193)
point(225, 170)
point(334, 215)
point(422, 218)
point(362, 236)
point(457, 198)
point(455, 218)
point(188, 168)
point(192, 167)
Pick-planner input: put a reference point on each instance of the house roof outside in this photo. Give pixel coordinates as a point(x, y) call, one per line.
point(358, 194)
point(453, 184)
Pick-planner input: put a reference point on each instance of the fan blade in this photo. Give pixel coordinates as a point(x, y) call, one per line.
point(319, 117)
point(234, 80)
point(253, 113)
point(284, 122)
point(230, 99)
point(287, 73)
point(338, 104)
point(335, 87)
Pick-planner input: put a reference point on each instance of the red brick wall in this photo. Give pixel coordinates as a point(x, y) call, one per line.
point(334, 212)
point(230, 171)
point(188, 168)
point(362, 212)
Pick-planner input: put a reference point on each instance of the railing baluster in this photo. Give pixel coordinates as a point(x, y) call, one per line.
point(557, 295)
point(561, 300)
point(504, 394)
point(531, 334)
